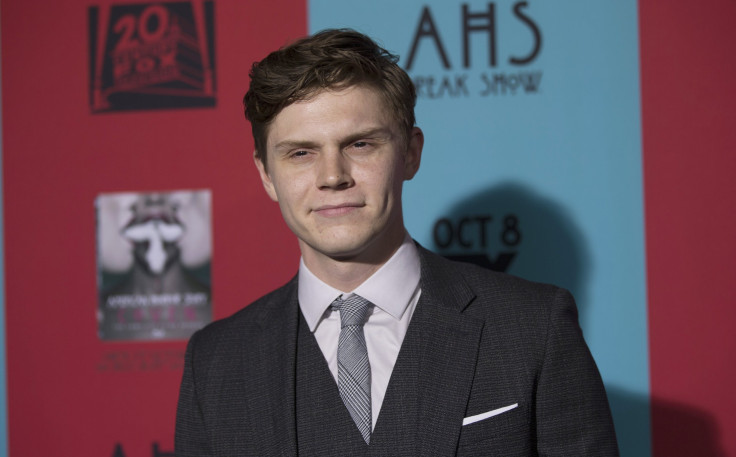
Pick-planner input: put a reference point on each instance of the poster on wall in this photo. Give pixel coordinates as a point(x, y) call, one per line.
point(154, 254)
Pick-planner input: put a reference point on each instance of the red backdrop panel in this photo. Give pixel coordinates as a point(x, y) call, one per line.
point(688, 100)
point(84, 395)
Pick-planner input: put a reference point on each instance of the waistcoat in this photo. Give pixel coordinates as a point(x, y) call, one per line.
point(324, 426)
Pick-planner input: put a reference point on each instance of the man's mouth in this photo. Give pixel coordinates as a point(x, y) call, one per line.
point(340, 209)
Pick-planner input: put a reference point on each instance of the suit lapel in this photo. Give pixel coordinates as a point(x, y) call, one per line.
point(449, 350)
point(276, 362)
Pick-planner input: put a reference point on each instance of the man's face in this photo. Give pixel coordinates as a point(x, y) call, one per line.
point(336, 166)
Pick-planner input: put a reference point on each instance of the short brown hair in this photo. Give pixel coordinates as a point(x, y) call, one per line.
point(330, 59)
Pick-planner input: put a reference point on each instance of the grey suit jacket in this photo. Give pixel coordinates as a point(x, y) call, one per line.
point(487, 340)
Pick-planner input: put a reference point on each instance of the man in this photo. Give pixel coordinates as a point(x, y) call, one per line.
point(377, 346)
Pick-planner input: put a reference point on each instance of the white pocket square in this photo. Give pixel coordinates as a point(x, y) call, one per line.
point(479, 417)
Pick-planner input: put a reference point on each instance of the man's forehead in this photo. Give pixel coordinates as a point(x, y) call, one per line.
point(334, 110)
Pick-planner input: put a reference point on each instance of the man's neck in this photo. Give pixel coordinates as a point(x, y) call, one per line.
point(346, 274)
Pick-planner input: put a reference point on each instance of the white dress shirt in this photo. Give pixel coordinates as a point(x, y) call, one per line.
point(393, 289)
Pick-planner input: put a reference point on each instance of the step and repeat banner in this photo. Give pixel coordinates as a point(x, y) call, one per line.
point(133, 213)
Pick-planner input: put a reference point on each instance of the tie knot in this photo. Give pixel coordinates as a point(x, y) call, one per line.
point(353, 310)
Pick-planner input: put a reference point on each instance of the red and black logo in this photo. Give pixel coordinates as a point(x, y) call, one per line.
point(152, 56)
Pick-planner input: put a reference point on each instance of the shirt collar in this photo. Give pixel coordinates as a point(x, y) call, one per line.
point(390, 288)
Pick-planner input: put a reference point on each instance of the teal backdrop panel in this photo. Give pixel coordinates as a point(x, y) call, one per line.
point(532, 158)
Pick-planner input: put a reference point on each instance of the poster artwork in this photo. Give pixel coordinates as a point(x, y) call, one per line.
point(154, 254)
point(152, 55)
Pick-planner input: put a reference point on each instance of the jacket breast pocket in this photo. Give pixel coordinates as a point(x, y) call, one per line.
point(506, 434)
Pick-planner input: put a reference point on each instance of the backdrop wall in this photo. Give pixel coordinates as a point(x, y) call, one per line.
point(689, 142)
point(70, 391)
point(538, 117)
point(533, 152)
point(3, 387)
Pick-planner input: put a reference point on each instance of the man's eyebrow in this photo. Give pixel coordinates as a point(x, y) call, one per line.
point(369, 133)
point(288, 145)
point(380, 134)
point(372, 132)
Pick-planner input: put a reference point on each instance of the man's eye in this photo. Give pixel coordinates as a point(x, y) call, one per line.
point(300, 153)
point(360, 144)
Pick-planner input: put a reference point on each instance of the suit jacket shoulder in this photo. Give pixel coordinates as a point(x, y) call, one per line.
point(509, 303)
point(531, 354)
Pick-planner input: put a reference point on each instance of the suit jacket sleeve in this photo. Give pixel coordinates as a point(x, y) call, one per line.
point(191, 436)
point(572, 413)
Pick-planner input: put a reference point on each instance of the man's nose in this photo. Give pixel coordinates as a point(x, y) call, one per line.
point(334, 171)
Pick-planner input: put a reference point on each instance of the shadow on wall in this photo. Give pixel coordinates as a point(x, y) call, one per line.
point(512, 228)
point(684, 431)
point(521, 232)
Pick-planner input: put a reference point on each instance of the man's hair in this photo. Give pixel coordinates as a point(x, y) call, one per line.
point(331, 59)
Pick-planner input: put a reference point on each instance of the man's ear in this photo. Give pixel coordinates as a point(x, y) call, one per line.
point(413, 156)
point(265, 177)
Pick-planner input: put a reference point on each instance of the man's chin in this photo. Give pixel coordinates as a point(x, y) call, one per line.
point(345, 253)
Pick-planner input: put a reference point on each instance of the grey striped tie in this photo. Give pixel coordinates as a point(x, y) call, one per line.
point(353, 369)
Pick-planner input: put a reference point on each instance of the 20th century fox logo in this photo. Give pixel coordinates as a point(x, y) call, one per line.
point(152, 55)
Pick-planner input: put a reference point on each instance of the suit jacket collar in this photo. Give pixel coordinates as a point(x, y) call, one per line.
point(443, 282)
